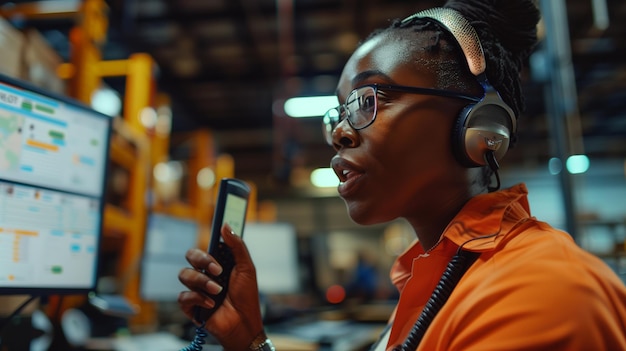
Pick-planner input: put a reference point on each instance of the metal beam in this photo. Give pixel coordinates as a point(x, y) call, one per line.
point(561, 99)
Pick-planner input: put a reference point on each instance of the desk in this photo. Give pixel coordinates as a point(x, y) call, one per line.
point(327, 335)
point(319, 335)
point(159, 341)
point(285, 342)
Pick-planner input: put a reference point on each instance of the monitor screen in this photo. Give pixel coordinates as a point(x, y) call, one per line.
point(53, 160)
point(274, 251)
point(273, 247)
point(167, 239)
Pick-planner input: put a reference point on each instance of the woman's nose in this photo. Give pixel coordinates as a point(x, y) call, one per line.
point(344, 135)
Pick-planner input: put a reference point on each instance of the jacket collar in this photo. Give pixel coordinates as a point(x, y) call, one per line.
point(489, 216)
point(480, 225)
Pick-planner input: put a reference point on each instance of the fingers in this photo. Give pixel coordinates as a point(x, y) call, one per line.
point(202, 261)
point(188, 300)
point(201, 288)
point(197, 281)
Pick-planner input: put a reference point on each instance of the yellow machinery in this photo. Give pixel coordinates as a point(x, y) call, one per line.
point(135, 148)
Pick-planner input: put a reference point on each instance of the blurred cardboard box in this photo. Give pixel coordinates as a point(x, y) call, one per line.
point(41, 62)
point(12, 45)
point(27, 55)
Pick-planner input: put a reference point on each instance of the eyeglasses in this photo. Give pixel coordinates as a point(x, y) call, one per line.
point(362, 105)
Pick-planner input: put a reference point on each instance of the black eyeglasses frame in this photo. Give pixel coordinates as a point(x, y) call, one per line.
point(329, 125)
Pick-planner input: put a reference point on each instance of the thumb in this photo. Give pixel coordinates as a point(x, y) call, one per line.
point(236, 244)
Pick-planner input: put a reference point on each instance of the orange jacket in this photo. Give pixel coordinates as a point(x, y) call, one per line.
point(532, 288)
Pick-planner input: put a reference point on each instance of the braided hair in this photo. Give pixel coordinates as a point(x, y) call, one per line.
point(508, 32)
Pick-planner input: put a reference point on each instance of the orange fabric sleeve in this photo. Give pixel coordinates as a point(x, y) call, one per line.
point(530, 300)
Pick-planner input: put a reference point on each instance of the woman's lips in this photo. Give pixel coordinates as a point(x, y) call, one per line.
point(348, 174)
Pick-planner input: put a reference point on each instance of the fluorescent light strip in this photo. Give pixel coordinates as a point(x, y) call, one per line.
point(324, 178)
point(311, 106)
point(577, 164)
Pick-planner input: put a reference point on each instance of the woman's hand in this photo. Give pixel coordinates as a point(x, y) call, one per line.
point(238, 320)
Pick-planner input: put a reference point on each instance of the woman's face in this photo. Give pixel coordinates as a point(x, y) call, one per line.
point(402, 164)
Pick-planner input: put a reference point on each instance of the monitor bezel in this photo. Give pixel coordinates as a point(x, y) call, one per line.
point(54, 290)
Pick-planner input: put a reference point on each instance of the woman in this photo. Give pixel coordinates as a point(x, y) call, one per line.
point(419, 137)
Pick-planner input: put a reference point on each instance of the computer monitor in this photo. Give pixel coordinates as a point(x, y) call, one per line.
point(167, 239)
point(53, 161)
point(273, 247)
point(274, 251)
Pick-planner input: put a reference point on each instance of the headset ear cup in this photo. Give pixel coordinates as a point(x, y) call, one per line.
point(483, 127)
point(458, 137)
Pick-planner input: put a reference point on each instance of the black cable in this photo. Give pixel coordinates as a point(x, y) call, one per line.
point(198, 340)
point(16, 312)
point(493, 164)
point(453, 273)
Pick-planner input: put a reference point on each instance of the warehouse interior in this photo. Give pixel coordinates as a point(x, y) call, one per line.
point(198, 93)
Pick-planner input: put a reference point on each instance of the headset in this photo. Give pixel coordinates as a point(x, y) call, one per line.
point(482, 132)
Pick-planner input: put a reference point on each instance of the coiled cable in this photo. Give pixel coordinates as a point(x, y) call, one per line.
point(453, 273)
point(198, 340)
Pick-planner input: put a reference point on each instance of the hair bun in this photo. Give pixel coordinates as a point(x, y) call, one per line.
point(512, 22)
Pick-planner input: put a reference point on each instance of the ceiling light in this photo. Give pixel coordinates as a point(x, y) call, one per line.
point(107, 101)
point(148, 117)
point(577, 164)
point(324, 178)
point(205, 178)
point(164, 120)
point(600, 14)
point(312, 106)
point(167, 171)
point(555, 166)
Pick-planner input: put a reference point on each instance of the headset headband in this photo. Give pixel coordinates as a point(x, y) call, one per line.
point(483, 128)
point(462, 31)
